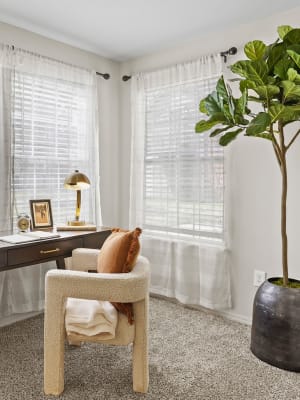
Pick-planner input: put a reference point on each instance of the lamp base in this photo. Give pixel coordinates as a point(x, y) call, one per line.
point(76, 223)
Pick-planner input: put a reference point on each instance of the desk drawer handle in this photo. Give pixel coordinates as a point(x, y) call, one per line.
point(49, 251)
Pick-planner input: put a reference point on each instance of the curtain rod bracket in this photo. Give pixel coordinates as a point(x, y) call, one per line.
point(105, 76)
point(229, 52)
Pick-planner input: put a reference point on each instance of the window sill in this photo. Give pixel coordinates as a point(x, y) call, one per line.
point(177, 238)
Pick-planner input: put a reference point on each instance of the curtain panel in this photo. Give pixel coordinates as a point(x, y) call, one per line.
point(49, 128)
point(177, 184)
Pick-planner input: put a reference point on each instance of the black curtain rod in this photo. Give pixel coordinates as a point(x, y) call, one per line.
point(225, 54)
point(104, 76)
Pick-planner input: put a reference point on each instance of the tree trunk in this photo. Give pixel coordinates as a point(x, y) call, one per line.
point(283, 219)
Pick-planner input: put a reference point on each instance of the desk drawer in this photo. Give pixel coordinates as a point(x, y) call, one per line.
point(2, 259)
point(42, 251)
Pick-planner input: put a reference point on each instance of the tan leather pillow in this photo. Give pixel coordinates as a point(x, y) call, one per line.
point(118, 254)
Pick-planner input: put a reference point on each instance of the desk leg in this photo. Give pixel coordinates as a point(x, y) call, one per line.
point(60, 263)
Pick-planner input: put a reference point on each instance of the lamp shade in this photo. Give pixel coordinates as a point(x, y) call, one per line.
point(77, 181)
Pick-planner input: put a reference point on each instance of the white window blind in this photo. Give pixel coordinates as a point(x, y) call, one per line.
point(183, 171)
point(51, 139)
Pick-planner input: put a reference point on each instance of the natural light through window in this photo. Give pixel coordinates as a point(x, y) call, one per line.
point(183, 171)
point(51, 140)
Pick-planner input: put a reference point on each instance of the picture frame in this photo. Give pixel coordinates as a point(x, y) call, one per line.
point(41, 214)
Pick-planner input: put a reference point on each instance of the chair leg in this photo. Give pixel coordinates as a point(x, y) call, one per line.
point(54, 344)
point(140, 364)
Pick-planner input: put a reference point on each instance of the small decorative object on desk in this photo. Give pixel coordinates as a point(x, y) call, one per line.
point(77, 181)
point(23, 222)
point(41, 214)
point(66, 227)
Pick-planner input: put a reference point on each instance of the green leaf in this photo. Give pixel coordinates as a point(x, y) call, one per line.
point(283, 30)
point(255, 50)
point(205, 125)
point(228, 113)
point(229, 137)
point(256, 99)
point(222, 89)
point(271, 80)
point(246, 84)
point(231, 105)
point(256, 71)
point(294, 56)
point(290, 114)
point(281, 68)
point(212, 104)
point(267, 91)
point(290, 90)
point(259, 124)
point(218, 116)
point(261, 135)
point(240, 104)
point(240, 120)
point(240, 109)
point(295, 107)
point(293, 36)
point(294, 47)
point(276, 112)
point(292, 74)
point(276, 52)
point(202, 106)
point(218, 131)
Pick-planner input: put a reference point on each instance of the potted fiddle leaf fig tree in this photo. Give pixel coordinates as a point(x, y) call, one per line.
point(269, 77)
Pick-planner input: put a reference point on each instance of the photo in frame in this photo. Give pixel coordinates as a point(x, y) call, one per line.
point(41, 214)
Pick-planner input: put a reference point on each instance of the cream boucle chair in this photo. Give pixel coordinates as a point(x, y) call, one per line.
point(132, 287)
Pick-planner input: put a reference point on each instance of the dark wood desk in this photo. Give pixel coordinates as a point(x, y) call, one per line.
point(55, 249)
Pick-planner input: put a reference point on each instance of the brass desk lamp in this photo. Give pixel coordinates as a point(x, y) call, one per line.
point(77, 181)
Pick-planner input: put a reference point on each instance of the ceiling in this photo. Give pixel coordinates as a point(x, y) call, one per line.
point(126, 29)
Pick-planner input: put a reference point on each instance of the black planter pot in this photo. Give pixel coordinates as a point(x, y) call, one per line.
point(275, 335)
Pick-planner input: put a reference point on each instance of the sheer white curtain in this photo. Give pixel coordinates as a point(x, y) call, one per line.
point(49, 128)
point(6, 137)
point(177, 184)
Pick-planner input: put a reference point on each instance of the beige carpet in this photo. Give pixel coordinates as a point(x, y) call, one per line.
point(193, 355)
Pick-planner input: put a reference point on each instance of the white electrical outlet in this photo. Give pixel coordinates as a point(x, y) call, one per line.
point(259, 277)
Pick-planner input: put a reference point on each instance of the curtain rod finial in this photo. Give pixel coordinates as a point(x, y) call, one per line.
point(232, 50)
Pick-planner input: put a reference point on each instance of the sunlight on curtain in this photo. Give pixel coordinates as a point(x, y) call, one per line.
point(177, 184)
point(51, 108)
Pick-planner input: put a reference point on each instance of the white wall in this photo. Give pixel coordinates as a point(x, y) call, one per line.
point(108, 105)
point(253, 177)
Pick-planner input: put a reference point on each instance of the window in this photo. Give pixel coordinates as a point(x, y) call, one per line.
point(51, 139)
point(183, 171)
point(177, 184)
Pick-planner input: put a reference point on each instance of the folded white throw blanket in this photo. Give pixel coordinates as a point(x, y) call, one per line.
point(91, 317)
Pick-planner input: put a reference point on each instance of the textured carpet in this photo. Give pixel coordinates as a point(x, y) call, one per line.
point(193, 355)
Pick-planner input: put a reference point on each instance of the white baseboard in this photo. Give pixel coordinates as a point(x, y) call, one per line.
point(226, 314)
point(236, 317)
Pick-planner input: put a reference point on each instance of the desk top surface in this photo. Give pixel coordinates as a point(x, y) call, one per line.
point(63, 235)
